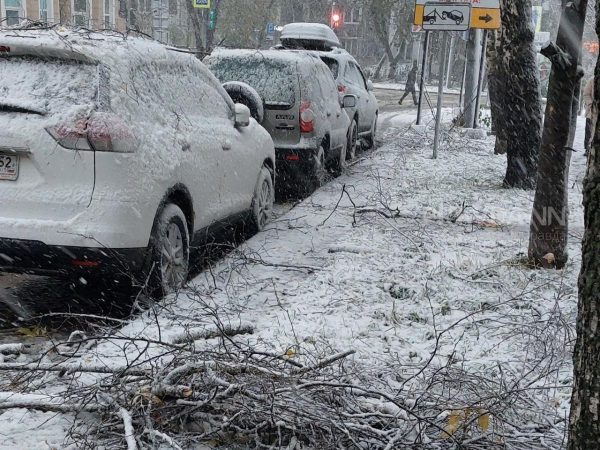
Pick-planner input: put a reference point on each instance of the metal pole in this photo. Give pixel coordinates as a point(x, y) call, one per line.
point(462, 85)
point(438, 117)
point(422, 82)
point(450, 58)
point(480, 81)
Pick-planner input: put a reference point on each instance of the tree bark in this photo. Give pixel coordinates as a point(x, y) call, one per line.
point(514, 87)
point(196, 25)
point(549, 222)
point(584, 431)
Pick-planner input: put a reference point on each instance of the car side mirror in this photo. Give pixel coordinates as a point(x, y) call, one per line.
point(349, 101)
point(370, 86)
point(242, 115)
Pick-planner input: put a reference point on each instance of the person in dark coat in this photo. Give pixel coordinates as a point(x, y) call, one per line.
point(410, 86)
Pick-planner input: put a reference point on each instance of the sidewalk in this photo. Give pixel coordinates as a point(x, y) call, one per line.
point(432, 89)
point(413, 263)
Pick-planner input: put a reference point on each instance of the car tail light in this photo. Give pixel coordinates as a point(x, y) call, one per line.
point(292, 157)
point(307, 118)
point(102, 132)
point(84, 263)
point(341, 89)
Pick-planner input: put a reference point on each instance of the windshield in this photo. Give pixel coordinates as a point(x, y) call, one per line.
point(41, 86)
point(273, 80)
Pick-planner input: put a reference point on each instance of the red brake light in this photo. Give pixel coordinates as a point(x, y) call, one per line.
point(307, 118)
point(4, 49)
point(84, 263)
point(103, 132)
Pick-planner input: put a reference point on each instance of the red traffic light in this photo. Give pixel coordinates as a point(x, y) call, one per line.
point(336, 19)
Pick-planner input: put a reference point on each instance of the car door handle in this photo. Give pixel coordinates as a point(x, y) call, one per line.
point(226, 145)
point(328, 114)
point(186, 147)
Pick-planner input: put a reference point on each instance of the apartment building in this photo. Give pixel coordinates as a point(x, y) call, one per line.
point(93, 14)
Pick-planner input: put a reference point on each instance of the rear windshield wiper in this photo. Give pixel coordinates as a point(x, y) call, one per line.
point(20, 109)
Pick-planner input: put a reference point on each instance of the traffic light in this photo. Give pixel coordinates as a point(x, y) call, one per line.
point(212, 19)
point(336, 19)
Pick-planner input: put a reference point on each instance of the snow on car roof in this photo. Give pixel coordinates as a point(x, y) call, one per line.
point(288, 56)
point(82, 45)
point(310, 32)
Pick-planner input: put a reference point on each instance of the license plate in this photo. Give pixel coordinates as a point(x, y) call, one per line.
point(9, 167)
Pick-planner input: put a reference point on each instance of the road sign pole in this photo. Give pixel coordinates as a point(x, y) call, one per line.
point(440, 99)
point(462, 84)
point(422, 82)
point(480, 80)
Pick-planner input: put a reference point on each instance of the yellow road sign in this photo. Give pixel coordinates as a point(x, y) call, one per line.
point(485, 18)
point(485, 14)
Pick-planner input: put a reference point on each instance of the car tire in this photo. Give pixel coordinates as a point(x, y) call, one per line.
point(353, 141)
point(370, 140)
point(263, 200)
point(170, 251)
point(318, 173)
point(339, 165)
point(246, 95)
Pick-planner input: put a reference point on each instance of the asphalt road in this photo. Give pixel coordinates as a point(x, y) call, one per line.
point(388, 100)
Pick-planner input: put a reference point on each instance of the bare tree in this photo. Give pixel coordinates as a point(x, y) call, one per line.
point(549, 222)
point(515, 94)
point(391, 20)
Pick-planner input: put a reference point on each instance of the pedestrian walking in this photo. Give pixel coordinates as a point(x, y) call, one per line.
point(410, 86)
point(588, 100)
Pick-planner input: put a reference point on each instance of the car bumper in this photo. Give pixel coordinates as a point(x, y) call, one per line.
point(35, 257)
point(103, 224)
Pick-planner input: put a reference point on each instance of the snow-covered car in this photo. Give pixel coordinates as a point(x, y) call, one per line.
point(302, 110)
point(347, 72)
point(115, 154)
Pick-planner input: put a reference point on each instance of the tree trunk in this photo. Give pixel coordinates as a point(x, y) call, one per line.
point(496, 91)
point(549, 222)
point(514, 87)
point(584, 430)
point(196, 25)
point(472, 76)
point(210, 34)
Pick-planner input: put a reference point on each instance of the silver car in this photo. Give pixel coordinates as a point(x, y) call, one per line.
point(320, 40)
point(303, 111)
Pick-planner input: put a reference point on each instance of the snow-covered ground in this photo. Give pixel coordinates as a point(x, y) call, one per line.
point(417, 264)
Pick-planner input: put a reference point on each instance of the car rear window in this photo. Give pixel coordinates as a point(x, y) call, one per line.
point(333, 65)
point(274, 81)
point(45, 86)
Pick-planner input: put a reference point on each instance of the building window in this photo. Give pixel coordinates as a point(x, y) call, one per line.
point(108, 14)
point(80, 13)
point(13, 12)
point(44, 10)
point(353, 15)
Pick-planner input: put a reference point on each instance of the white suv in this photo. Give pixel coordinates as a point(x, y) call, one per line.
point(115, 153)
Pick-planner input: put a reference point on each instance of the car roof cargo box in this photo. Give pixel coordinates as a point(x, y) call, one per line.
point(310, 36)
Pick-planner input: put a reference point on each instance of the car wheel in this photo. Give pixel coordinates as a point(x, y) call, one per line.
point(262, 204)
point(338, 166)
point(318, 175)
point(170, 251)
point(352, 141)
point(371, 138)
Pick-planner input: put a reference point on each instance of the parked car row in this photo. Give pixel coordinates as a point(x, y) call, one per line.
point(117, 155)
point(317, 103)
